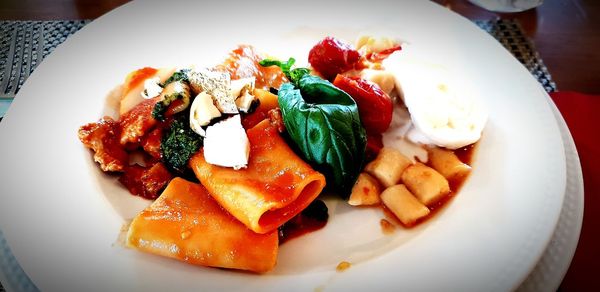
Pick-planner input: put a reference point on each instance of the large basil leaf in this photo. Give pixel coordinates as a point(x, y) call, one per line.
point(323, 122)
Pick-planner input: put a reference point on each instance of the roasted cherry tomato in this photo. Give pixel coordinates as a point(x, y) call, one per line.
point(374, 105)
point(332, 56)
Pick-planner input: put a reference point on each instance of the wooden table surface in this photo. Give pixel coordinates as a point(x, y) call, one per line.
point(566, 34)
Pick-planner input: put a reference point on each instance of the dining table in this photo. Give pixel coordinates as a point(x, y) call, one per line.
point(558, 41)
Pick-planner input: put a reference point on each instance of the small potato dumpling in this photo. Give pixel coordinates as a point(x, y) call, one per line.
point(447, 163)
point(365, 192)
point(428, 185)
point(403, 204)
point(388, 166)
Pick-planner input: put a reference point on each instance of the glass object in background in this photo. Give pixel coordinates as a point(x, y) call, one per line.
point(507, 5)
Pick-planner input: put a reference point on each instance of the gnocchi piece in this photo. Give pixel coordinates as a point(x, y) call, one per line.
point(388, 166)
point(365, 192)
point(447, 163)
point(428, 185)
point(403, 204)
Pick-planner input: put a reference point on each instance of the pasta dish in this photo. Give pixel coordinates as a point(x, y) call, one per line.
point(235, 156)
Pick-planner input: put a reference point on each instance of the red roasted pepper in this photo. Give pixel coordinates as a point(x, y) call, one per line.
point(380, 56)
point(374, 105)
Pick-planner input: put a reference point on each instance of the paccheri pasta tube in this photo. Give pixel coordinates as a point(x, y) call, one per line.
point(274, 187)
point(185, 223)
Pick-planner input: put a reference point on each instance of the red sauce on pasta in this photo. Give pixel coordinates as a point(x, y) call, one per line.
point(137, 77)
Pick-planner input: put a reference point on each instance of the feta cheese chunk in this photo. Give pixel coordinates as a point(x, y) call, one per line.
point(152, 88)
point(202, 111)
point(226, 144)
point(218, 85)
point(242, 91)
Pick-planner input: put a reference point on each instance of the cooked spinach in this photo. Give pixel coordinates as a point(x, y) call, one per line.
point(292, 74)
point(178, 144)
point(181, 75)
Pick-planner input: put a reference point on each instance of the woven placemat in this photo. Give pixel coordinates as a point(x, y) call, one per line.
point(24, 44)
point(28, 42)
point(511, 35)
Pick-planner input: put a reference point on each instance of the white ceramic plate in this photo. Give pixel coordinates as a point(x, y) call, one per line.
point(552, 267)
point(62, 216)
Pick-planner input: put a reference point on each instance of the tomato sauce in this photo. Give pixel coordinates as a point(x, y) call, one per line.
point(465, 155)
point(136, 78)
point(311, 219)
point(299, 226)
point(386, 226)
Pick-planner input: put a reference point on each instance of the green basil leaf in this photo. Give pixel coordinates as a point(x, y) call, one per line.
point(297, 74)
point(293, 75)
point(323, 122)
point(285, 67)
point(181, 75)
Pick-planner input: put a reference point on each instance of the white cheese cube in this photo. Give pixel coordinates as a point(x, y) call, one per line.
point(226, 144)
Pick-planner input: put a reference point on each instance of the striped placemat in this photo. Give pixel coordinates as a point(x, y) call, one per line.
point(23, 45)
